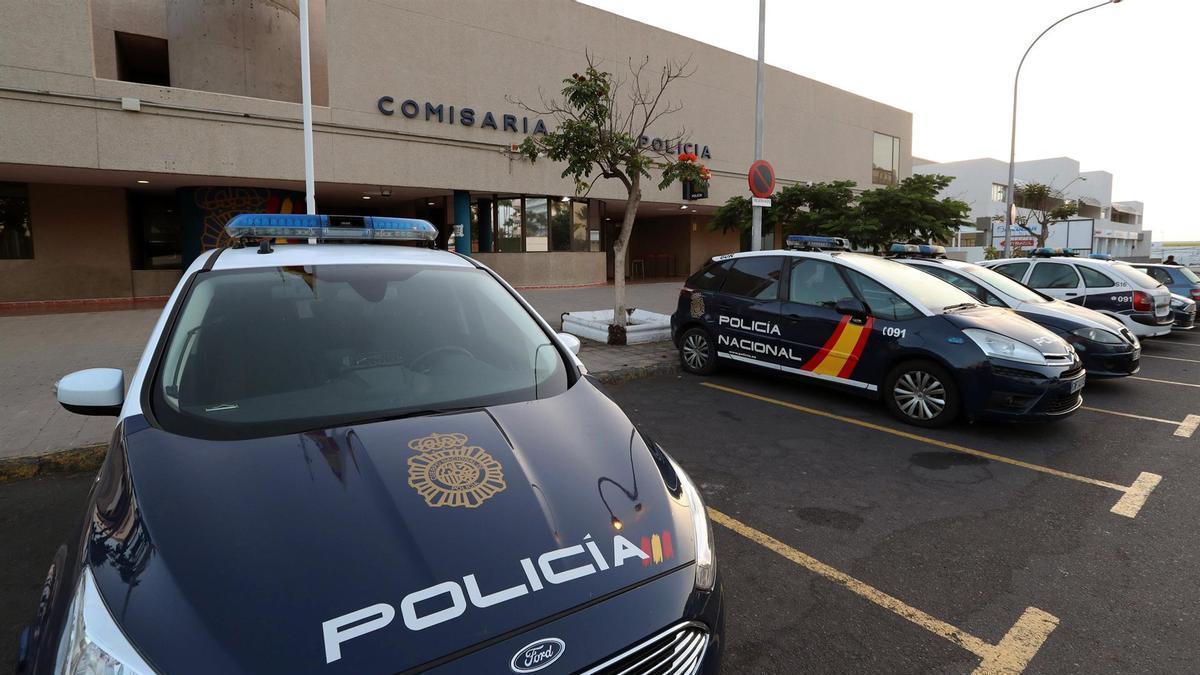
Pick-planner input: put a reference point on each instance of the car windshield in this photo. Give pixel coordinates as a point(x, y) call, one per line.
point(1005, 285)
point(280, 350)
point(1188, 274)
point(1137, 276)
point(929, 291)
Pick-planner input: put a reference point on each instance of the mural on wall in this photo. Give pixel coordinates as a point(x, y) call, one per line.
point(206, 210)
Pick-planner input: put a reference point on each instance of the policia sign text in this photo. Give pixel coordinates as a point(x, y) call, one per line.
point(468, 117)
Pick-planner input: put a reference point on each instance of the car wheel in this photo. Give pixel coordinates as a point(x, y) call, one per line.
point(697, 352)
point(922, 393)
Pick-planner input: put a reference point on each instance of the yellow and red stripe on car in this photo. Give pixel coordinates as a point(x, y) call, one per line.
point(840, 354)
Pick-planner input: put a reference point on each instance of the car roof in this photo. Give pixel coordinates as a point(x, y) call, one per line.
point(946, 262)
point(290, 255)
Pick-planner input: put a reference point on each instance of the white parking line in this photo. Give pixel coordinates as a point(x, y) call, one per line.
point(1010, 656)
point(1150, 379)
point(1168, 358)
point(1183, 428)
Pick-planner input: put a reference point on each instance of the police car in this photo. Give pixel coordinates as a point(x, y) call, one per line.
point(875, 326)
point(1139, 302)
point(1106, 347)
point(370, 459)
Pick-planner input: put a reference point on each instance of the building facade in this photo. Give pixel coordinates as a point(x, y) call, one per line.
point(131, 130)
point(1101, 226)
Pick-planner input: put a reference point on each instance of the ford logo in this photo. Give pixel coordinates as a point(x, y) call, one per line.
point(537, 655)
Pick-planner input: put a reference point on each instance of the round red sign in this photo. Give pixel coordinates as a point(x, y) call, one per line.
point(762, 178)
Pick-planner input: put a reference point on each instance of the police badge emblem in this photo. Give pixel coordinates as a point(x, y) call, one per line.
point(448, 472)
point(697, 306)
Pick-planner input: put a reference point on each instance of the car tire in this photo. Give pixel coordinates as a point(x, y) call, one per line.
point(923, 394)
point(697, 351)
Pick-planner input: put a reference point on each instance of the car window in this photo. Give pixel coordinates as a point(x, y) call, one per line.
point(1095, 278)
point(1053, 275)
point(1136, 276)
point(287, 349)
point(755, 277)
point(816, 282)
point(1159, 274)
point(881, 301)
point(1014, 271)
point(1188, 275)
point(709, 278)
point(959, 281)
point(1006, 285)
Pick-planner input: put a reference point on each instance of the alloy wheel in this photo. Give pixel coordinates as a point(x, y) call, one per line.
point(920, 395)
point(695, 350)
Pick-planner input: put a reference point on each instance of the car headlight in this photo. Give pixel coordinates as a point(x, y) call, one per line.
point(1178, 304)
point(999, 346)
point(706, 569)
point(91, 642)
point(1098, 335)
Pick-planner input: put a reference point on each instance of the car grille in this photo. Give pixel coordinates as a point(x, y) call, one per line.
point(679, 650)
point(1072, 371)
point(1017, 372)
point(1060, 404)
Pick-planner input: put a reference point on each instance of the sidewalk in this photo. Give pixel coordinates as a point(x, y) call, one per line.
point(36, 350)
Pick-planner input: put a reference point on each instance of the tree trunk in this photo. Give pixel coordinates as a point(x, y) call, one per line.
point(620, 248)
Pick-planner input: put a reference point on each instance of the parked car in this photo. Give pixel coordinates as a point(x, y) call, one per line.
point(1179, 279)
point(1183, 310)
point(361, 458)
point(877, 327)
point(1106, 347)
point(1139, 302)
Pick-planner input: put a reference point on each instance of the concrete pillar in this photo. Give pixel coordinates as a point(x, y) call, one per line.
point(462, 219)
point(485, 226)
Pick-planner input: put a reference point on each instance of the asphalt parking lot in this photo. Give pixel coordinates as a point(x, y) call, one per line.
point(849, 542)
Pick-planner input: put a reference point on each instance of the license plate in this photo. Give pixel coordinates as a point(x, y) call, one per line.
point(1077, 384)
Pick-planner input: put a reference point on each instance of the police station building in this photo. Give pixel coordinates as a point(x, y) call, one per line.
point(132, 130)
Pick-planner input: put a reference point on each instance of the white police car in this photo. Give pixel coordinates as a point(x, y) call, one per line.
point(370, 459)
point(1110, 287)
point(1107, 348)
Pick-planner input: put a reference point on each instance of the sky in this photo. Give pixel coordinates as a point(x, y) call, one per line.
point(1117, 88)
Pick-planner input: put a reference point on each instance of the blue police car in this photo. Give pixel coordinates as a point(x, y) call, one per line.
point(1185, 290)
point(1138, 301)
point(1106, 347)
point(370, 459)
point(874, 326)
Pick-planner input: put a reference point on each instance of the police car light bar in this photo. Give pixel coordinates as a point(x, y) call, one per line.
point(329, 228)
point(804, 242)
point(1100, 256)
point(919, 250)
point(1047, 252)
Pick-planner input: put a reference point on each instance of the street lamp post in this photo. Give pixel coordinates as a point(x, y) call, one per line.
point(1012, 151)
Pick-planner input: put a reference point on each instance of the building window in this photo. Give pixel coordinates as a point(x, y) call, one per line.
point(155, 229)
point(569, 226)
point(16, 232)
point(537, 224)
point(508, 225)
point(141, 58)
point(885, 168)
point(999, 192)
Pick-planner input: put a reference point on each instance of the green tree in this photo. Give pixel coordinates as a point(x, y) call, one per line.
point(909, 210)
point(1044, 205)
point(600, 120)
point(817, 208)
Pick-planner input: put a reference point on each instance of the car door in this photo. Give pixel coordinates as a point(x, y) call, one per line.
point(813, 330)
point(1058, 280)
point(1103, 293)
point(748, 325)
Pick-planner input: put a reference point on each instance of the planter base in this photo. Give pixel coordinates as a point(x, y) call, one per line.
point(641, 328)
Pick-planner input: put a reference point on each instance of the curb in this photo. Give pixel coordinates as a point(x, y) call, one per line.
point(622, 375)
point(72, 460)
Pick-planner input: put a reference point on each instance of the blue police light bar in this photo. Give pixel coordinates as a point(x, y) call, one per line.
point(1046, 252)
point(330, 228)
point(1100, 256)
point(814, 243)
point(923, 250)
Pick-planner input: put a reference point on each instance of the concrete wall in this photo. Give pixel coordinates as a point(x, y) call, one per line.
point(707, 243)
point(243, 48)
point(559, 268)
point(80, 246)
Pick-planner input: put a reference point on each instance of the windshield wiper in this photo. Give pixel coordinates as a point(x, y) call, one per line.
point(412, 413)
point(961, 305)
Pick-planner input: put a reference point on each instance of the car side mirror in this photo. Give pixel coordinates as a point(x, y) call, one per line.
point(95, 391)
point(852, 306)
point(570, 342)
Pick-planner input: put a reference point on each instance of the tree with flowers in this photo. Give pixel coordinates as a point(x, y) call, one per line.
point(600, 119)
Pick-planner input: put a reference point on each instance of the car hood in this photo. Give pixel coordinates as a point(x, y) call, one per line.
point(1088, 317)
point(1008, 323)
point(232, 556)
